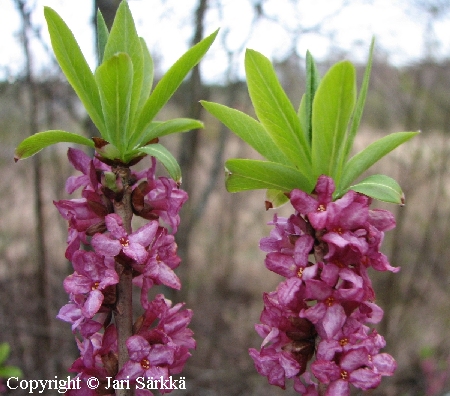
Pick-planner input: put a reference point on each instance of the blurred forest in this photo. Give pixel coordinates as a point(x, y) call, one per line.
point(223, 271)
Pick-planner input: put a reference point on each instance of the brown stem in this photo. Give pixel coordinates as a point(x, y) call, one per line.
point(124, 304)
point(322, 388)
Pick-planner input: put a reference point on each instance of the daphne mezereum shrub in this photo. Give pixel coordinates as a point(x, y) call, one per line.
point(118, 348)
point(315, 325)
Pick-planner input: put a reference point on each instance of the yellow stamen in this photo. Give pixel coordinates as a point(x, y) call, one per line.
point(145, 364)
point(344, 375)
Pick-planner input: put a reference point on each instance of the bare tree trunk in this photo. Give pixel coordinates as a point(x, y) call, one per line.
point(44, 314)
point(108, 8)
point(189, 147)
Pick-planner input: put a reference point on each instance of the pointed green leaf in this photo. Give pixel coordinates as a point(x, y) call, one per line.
point(332, 108)
point(124, 38)
point(362, 161)
point(161, 128)
point(148, 74)
point(380, 187)
point(102, 36)
point(115, 79)
point(302, 115)
point(274, 109)
point(312, 83)
point(247, 174)
point(165, 157)
point(10, 371)
point(35, 143)
point(4, 352)
point(74, 66)
point(276, 198)
point(249, 130)
point(358, 108)
point(171, 81)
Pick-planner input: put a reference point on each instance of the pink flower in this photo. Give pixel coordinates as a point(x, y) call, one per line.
point(167, 325)
point(92, 276)
point(133, 245)
point(290, 265)
point(315, 209)
point(275, 365)
point(352, 368)
point(146, 360)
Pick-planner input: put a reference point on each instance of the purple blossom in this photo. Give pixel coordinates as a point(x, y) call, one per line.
point(146, 360)
point(74, 313)
point(133, 245)
point(159, 198)
point(321, 309)
point(93, 274)
point(353, 368)
point(290, 265)
point(275, 365)
point(98, 355)
point(167, 325)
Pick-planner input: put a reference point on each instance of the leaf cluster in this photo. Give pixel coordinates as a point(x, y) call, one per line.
point(317, 139)
point(7, 371)
point(118, 95)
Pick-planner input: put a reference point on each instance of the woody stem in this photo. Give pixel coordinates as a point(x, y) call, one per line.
point(123, 313)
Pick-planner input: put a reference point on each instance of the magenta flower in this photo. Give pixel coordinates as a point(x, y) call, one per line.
point(170, 329)
point(83, 163)
point(134, 245)
point(146, 360)
point(321, 308)
point(284, 234)
point(305, 386)
point(73, 313)
point(290, 265)
point(95, 351)
point(315, 209)
point(159, 198)
point(93, 274)
point(275, 365)
point(328, 314)
point(353, 368)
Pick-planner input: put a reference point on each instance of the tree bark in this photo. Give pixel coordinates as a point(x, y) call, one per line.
point(44, 315)
point(123, 313)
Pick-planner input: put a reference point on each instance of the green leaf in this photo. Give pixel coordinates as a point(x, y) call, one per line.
point(148, 74)
point(362, 161)
point(74, 66)
point(275, 111)
point(124, 38)
point(332, 108)
point(102, 36)
point(249, 130)
point(35, 143)
point(312, 83)
point(115, 79)
point(358, 108)
point(161, 128)
point(165, 157)
point(276, 198)
point(10, 371)
point(247, 174)
point(171, 81)
point(380, 187)
point(4, 352)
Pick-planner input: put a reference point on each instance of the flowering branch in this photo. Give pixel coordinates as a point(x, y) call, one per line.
point(115, 344)
point(123, 312)
point(315, 324)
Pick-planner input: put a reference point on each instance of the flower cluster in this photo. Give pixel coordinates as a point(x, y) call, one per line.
point(99, 248)
point(321, 311)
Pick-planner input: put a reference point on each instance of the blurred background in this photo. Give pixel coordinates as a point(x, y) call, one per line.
point(223, 271)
